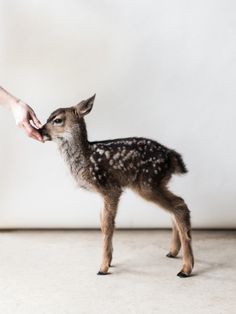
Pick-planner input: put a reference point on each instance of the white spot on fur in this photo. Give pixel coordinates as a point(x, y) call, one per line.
point(111, 162)
point(100, 151)
point(107, 154)
point(116, 156)
point(123, 152)
point(92, 159)
point(130, 153)
point(121, 163)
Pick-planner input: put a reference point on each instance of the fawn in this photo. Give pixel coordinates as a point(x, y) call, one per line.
point(107, 167)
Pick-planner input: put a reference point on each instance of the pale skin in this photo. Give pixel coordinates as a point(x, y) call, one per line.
point(24, 115)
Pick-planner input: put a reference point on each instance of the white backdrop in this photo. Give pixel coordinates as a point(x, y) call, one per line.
point(161, 69)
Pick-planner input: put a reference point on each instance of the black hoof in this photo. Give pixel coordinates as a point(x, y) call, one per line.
point(101, 273)
point(170, 255)
point(182, 275)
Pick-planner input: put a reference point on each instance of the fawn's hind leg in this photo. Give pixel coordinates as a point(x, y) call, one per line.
point(177, 207)
point(181, 214)
point(108, 215)
point(175, 241)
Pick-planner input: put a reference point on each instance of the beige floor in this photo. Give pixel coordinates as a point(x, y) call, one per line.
point(54, 272)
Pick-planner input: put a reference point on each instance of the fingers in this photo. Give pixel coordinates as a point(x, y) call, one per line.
point(32, 132)
point(35, 120)
point(24, 115)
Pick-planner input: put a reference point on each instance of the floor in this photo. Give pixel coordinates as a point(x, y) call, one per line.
point(54, 272)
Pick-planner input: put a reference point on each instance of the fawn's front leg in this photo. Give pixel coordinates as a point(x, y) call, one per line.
point(108, 215)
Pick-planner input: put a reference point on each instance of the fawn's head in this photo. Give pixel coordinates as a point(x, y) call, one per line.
point(62, 121)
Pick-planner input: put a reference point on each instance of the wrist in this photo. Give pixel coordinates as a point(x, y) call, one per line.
point(13, 103)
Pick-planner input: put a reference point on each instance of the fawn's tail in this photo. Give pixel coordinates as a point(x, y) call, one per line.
point(177, 163)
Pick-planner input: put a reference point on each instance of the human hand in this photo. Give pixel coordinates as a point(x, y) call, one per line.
point(26, 119)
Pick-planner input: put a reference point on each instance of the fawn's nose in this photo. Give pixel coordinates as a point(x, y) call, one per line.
point(40, 131)
point(44, 133)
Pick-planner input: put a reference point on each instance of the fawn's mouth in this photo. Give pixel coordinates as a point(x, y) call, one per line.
point(45, 135)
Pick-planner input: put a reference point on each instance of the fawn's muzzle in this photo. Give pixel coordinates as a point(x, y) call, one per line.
point(45, 135)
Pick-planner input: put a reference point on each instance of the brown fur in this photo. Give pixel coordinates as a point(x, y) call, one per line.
point(107, 167)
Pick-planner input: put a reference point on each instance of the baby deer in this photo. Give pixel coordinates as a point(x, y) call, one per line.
point(107, 167)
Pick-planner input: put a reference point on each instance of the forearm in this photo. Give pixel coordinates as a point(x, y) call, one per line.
point(6, 99)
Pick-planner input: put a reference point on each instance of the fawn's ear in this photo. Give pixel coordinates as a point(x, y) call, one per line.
point(85, 106)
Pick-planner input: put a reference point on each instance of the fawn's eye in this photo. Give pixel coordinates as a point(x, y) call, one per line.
point(57, 121)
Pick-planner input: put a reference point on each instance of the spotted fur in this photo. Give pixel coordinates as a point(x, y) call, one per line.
point(110, 166)
point(131, 162)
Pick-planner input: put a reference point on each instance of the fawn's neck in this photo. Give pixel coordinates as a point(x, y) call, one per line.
point(74, 147)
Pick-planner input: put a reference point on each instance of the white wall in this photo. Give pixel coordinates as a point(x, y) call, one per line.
point(161, 69)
